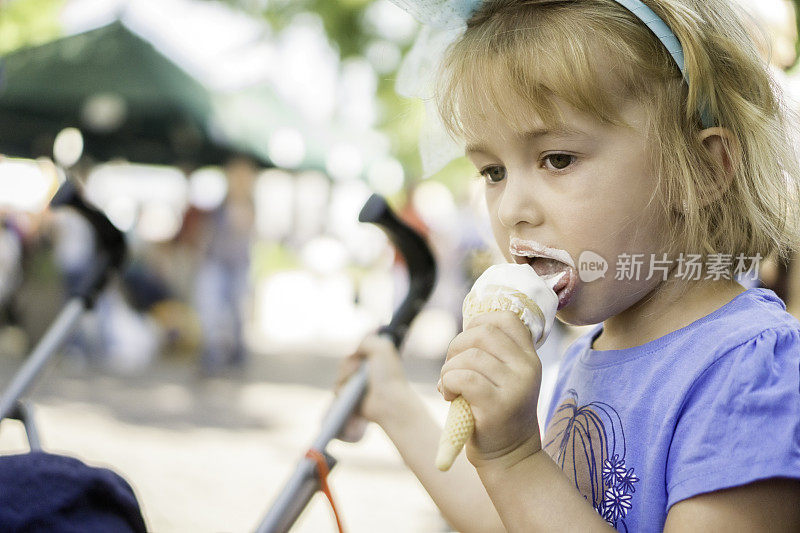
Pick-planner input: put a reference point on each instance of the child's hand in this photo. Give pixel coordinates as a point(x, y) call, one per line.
point(387, 385)
point(494, 366)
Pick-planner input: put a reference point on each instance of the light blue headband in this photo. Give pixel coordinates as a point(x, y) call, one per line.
point(668, 39)
point(454, 13)
point(659, 28)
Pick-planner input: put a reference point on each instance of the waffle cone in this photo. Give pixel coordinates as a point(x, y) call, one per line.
point(460, 422)
point(457, 429)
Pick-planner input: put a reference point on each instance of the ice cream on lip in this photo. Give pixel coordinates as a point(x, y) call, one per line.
point(528, 248)
point(554, 260)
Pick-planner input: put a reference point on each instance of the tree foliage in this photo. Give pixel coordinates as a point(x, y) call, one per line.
point(28, 23)
point(342, 20)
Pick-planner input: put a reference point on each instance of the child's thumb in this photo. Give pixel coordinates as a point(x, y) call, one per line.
point(354, 429)
point(377, 346)
point(347, 368)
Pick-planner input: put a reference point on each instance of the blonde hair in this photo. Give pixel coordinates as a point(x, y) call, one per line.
point(539, 50)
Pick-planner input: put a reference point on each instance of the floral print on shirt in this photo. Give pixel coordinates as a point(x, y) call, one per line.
point(588, 443)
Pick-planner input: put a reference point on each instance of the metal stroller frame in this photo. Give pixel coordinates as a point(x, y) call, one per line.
point(111, 251)
point(303, 483)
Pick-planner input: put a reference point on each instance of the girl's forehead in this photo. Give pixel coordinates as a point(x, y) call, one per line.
point(512, 118)
point(502, 92)
point(570, 124)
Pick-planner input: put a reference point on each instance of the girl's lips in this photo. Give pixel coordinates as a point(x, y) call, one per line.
point(546, 267)
point(565, 288)
point(528, 249)
point(562, 282)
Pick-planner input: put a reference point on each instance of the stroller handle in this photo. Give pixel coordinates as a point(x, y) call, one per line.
point(110, 254)
point(422, 276)
point(418, 257)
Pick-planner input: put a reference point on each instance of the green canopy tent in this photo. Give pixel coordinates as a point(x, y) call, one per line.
point(251, 116)
point(128, 100)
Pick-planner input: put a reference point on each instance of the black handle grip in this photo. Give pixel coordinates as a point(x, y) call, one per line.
point(418, 257)
point(111, 246)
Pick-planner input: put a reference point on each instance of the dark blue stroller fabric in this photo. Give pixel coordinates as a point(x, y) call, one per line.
point(42, 492)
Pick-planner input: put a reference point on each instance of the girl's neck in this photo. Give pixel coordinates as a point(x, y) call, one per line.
point(668, 307)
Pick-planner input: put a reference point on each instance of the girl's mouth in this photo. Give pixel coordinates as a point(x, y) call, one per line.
point(565, 288)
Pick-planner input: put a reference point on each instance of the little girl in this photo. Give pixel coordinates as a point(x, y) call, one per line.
point(665, 156)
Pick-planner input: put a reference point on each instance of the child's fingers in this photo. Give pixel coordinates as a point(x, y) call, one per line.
point(486, 364)
point(490, 339)
point(371, 346)
point(347, 368)
point(355, 426)
point(493, 340)
point(385, 376)
point(376, 346)
point(492, 373)
point(508, 322)
point(354, 429)
point(471, 384)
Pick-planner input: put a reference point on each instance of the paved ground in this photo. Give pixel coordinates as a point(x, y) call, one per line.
point(211, 455)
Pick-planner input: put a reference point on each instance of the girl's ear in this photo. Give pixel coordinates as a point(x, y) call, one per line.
point(724, 150)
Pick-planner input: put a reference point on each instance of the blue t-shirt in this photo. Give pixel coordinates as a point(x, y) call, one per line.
point(713, 405)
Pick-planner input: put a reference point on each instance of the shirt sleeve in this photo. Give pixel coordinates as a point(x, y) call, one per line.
point(741, 420)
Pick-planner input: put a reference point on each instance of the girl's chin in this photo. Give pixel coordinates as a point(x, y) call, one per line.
point(580, 312)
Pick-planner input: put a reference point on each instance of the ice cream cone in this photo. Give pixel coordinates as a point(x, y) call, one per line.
point(534, 302)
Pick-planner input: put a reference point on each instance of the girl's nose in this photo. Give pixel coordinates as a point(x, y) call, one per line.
point(518, 202)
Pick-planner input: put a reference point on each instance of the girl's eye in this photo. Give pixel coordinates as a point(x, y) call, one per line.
point(559, 161)
point(494, 174)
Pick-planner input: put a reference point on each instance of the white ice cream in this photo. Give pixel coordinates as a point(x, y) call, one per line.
point(504, 283)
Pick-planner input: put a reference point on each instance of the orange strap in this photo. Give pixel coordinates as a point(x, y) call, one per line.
point(322, 474)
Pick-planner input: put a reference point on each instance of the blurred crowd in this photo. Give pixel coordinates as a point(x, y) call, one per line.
point(226, 262)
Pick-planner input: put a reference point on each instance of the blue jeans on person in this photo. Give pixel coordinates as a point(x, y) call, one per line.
point(219, 295)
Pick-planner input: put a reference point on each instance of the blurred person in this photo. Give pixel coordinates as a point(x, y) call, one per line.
point(13, 339)
point(74, 251)
point(148, 293)
point(112, 334)
point(10, 268)
point(222, 279)
point(125, 341)
point(73, 246)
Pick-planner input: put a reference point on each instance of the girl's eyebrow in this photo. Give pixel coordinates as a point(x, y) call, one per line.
point(561, 131)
